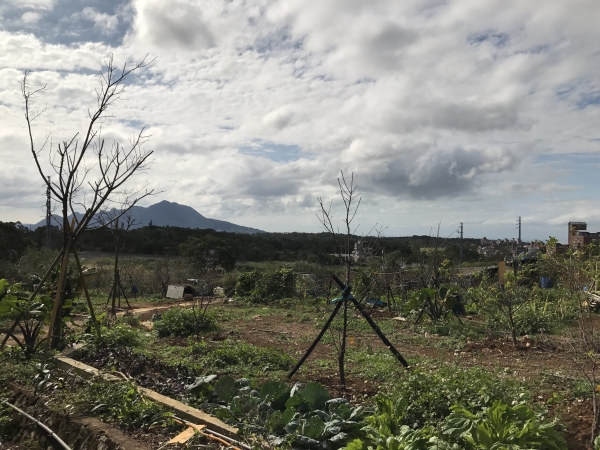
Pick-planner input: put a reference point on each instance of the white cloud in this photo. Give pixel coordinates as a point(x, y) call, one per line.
point(172, 24)
point(36, 4)
point(442, 108)
point(31, 17)
point(105, 23)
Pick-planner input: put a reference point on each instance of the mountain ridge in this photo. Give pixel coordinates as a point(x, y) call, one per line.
point(172, 214)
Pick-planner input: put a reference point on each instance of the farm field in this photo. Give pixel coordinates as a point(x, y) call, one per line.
point(510, 363)
point(450, 363)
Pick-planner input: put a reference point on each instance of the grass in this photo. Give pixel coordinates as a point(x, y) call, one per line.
point(226, 357)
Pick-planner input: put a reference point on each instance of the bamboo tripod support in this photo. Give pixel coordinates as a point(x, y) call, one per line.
point(347, 296)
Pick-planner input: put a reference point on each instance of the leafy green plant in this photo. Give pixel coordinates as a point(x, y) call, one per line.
point(431, 392)
point(28, 315)
point(182, 322)
point(123, 403)
point(305, 416)
point(117, 335)
point(501, 427)
point(385, 430)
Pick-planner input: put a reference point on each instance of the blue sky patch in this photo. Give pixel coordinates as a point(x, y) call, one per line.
point(66, 23)
point(580, 171)
point(592, 98)
point(496, 39)
point(270, 150)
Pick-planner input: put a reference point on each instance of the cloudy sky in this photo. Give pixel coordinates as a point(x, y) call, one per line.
point(474, 111)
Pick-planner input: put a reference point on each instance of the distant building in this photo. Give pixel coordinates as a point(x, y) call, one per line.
point(579, 236)
point(535, 247)
point(360, 252)
point(487, 251)
point(557, 249)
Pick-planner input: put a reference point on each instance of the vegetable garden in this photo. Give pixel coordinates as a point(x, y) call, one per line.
point(514, 367)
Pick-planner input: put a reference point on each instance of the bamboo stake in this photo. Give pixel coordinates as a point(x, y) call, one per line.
point(85, 289)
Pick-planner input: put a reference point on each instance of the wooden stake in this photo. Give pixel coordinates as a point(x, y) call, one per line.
point(87, 294)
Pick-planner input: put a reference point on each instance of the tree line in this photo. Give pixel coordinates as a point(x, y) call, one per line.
point(175, 241)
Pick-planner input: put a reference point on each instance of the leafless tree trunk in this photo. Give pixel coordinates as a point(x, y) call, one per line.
point(88, 175)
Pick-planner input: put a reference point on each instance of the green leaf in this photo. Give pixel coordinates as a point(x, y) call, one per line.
point(296, 402)
point(312, 428)
point(225, 389)
point(201, 384)
point(443, 292)
point(356, 444)
point(315, 394)
point(275, 393)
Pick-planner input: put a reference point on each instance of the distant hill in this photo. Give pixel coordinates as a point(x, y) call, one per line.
point(173, 214)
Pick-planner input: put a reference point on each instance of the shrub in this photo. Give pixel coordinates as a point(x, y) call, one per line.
point(182, 322)
point(246, 283)
point(130, 319)
point(228, 282)
point(266, 287)
point(119, 335)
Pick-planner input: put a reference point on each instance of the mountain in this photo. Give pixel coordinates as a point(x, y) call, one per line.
point(173, 214)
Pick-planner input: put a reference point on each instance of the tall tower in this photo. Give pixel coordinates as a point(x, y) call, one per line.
point(48, 214)
point(519, 223)
point(461, 245)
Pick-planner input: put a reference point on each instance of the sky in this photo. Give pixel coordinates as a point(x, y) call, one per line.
point(473, 111)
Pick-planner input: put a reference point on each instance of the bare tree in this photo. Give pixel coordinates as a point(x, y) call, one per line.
point(343, 243)
point(576, 271)
point(351, 199)
point(89, 175)
point(586, 360)
point(119, 221)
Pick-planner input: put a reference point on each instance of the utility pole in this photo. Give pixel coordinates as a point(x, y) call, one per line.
point(48, 214)
point(461, 245)
point(519, 222)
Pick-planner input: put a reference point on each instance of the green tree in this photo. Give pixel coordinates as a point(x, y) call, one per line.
point(208, 253)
